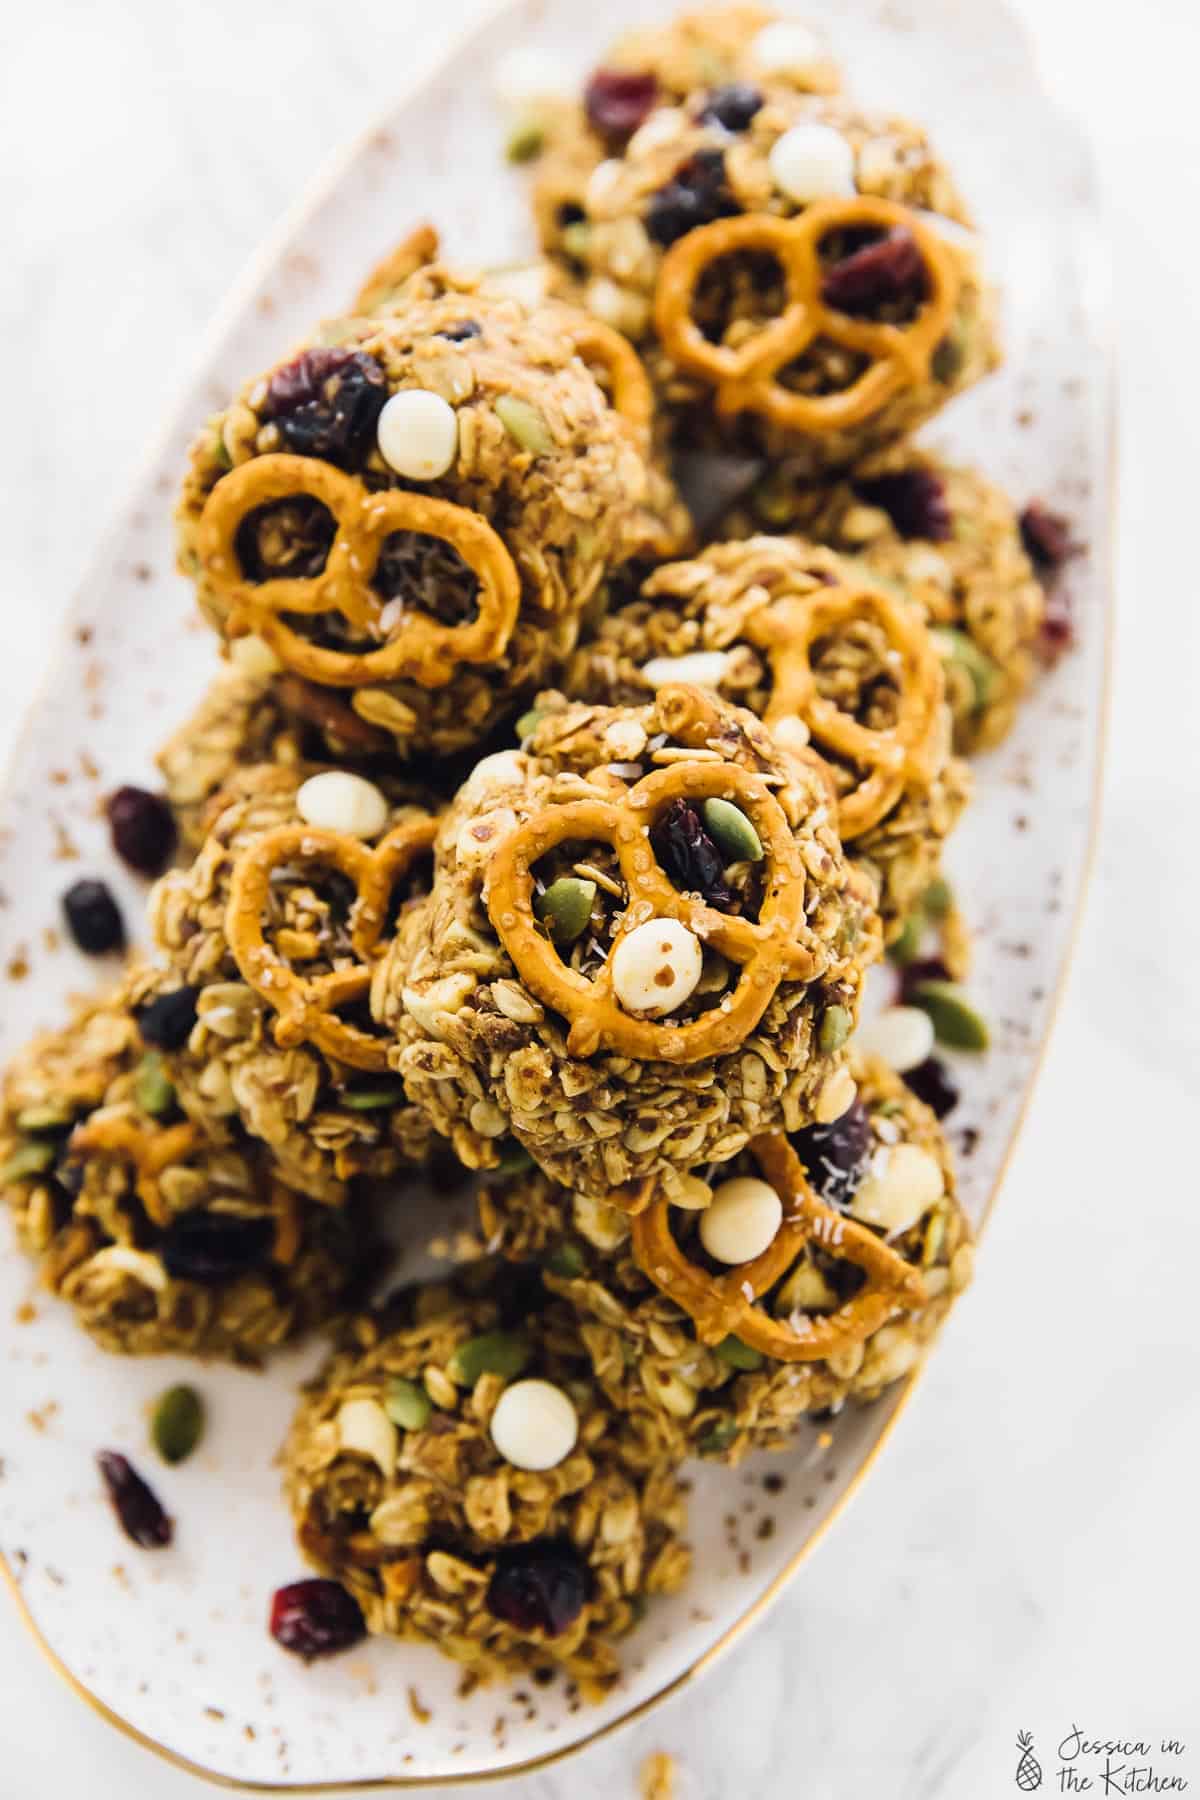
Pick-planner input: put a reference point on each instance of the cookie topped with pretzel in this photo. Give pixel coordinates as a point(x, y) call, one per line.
point(801, 278)
point(814, 1267)
point(825, 655)
point(643, 945)
point(274, 933)
point(413, 510)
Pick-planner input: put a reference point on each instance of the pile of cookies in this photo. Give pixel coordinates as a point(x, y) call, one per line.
point(601, 662)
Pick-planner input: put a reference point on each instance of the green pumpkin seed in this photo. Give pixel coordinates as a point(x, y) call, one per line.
point(731, 1350)
point(528, 723)
point(835, 1028)
point(566, 906)
point(151, 1087)
point(29, 1159)
point(223, 458)
point(371, 1099)
point(950, 357)
point(566, 1261)
point(731, 831)
point(718, 1439)
point(937, 898)
point(51, 1115)
point(526, 140)
point(494, 1353)
point(957, 647)
point(524, 424)
point(955, 1021)
point(907, 947)
point(576, 237)
point(178, 1423)
point(407, 1404)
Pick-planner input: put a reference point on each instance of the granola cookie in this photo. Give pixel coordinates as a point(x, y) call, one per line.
point(594, 977)
point(266, 970)
point(161, 1236)
point(951, 540)
point(883, 1167)
point(801, 280)
point(805, 638)
point(415, 508)
point(458, 1469)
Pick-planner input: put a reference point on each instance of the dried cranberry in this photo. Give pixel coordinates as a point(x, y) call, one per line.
point(930, 1081)
point(166, 1023)
point(733, 106)
point(326, 402)
point(1058, 625)
point(914, 500)
point(883, 273)
point(462, 331)
point(143, 829)
point(689, 855)
point(93, 917)
point(315, 1618)
point(137, 1506)
point(695, 195)
point(835, 1156)
point(211, 1247)
point(617, 101)
point(543, 1586)
point(1046, 536)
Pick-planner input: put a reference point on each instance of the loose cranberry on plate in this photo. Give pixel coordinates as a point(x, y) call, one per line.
point(315, 1618)
point(136, 1505)
point(143, 829)
point(93, 917)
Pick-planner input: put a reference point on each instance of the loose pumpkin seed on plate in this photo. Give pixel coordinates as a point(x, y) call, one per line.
point(178, 1423)
point(956, 1023)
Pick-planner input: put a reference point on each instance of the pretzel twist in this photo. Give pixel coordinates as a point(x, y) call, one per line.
point(767, 951)
point(630, 394)
point(419, 648)
point(148, 1153)
point(721, 1305)
point(745, 376)
point(307, 1005)
point(891, 760)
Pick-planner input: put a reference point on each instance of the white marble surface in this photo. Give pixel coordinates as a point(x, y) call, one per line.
point(1026, 1555)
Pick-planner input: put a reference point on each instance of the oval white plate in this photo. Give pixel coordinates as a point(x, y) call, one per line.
point(174, 1645)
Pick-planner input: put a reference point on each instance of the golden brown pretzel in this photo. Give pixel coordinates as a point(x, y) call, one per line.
point(307, 1005)
point(745, 376)
point(419, 648)
point(721, 1305)
point(147, 1151)
point(768, 950)
point(893, 760)
point(629, 391)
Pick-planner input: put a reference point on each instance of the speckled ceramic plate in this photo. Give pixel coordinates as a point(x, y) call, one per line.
point(174, 1646)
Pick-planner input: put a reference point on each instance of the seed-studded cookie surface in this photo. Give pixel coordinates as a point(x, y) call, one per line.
point(458, 1469)
point(643, 945)
point(839, 1278)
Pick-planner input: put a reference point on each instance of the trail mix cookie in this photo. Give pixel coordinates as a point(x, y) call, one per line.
point(457, 1468)
point(952, 541)
point(160, 1236)
point(799, 276)
point(269, 938)
point(415, 508)
point(597, 976)
point(815, 646)
point(813, 1269)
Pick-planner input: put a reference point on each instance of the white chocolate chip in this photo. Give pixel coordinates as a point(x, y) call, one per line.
point(812, 162)
point(742, 1220)
point(787, 48)
point(526, 283)
point(535, 1425)
point(417, 434)
point(656, 966)
point(903, 1182)
point(836, 1097)
point(254, 656)
point(502, 769)
point(700, 668)
point(791, 733)
point(902, 1036)
point(526, 74)
point(336, 800)
point(364, 1428)
point(479, 837)
point(662, 127)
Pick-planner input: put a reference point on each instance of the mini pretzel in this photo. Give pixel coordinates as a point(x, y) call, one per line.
point(419, 648)
point(893, 760)
point(768, 951)
point(745, 375)
point(630, 395)
point(307, 1005)
point(721, 1305)
point(148, 1152)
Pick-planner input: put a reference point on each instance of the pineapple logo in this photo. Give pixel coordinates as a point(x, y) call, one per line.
point(1029, 1769)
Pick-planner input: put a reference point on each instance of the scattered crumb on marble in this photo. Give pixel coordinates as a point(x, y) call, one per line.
point(18, 963)
point(214, 1712)
point(64, 847)
point(40, 1416)
point(417, 1708)
point(26, 1313)
point(656, 1777)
